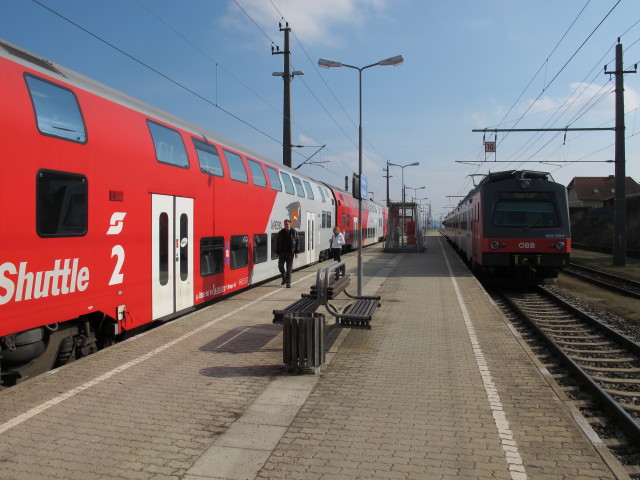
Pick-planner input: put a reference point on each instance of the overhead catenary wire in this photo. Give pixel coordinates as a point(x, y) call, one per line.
point(156, 71)
point(523, 115)
point(571, 100)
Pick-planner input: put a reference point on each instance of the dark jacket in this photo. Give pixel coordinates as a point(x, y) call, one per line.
point(287, 243)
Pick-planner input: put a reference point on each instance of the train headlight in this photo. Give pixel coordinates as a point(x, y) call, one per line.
point(494, 245)
point(560, 245)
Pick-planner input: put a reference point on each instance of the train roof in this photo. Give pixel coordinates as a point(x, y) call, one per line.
point(516, 174)
point(64, 74)
point(493, 177)
point(37, 63)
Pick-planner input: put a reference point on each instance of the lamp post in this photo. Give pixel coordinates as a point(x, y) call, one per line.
point(415, 191)
point(414, 164)
point(325, 63)
point(424, 213)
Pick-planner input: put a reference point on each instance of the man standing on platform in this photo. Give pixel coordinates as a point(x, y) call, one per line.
point(286, 249)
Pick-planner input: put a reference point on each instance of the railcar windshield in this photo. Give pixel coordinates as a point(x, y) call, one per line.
point(514, 214)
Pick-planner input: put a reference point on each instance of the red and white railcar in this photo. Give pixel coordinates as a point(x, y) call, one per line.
point(374, 219)
point(514, 224)
point(115, 214)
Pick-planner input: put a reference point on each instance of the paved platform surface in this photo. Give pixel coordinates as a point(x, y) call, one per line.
point(440, 388)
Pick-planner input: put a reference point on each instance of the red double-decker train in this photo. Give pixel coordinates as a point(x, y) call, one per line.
point(514, 225)
point(116, 214)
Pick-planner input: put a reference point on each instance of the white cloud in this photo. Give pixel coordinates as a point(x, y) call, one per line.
point(587, 105)
point(314, 22)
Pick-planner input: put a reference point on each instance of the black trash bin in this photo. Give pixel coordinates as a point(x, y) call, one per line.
point(303, 341)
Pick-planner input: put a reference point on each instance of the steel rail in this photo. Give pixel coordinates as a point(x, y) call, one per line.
point(601, 283)
point(627, 422)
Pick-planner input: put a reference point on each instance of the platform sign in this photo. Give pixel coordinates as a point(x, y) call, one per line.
point(363, 187)
point(489, 147)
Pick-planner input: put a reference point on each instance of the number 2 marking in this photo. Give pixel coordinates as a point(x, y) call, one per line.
point(116, 276)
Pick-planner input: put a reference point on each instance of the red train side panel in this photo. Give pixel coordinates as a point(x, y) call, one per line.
point(116, 214)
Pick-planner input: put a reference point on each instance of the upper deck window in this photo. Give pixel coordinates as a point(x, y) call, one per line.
point(299, 187)
point(57, 110)
point(541, 214)
point(324, 200)
point(257, 173)
point(208, 157)
point(307, 187)
point(236, 167)
point(274, 178)
point(169, 145)
point(288, 184)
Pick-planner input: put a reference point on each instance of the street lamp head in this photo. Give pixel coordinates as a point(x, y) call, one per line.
point(282, 74)
point(397, 60)
point(326, 63)
point(414, 164)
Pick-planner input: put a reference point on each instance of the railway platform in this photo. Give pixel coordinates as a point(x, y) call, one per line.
point(441, 387)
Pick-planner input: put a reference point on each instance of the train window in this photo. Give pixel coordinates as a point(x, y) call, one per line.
point(302, 241)
point(274, 242)
point(328, 219)
point(324, 199)
point(184, 247)
point(307, 187)
point(274, 178)
point(525, 214)
point(324, 220)
point(299, 188)
point(239, 251)
point(57, 110)
point(208, 157)
point(163, 251)
point(288, 184)
point(260, 248)
point(257, 173)
point(61, 204)
point(211, 255)
point(236, 167)
point(169, 145)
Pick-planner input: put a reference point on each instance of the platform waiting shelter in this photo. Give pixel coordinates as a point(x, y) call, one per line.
point(404, 228)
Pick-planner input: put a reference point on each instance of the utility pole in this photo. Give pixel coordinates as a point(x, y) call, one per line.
point(620, 201)
point(387, 177)
point(286, 77)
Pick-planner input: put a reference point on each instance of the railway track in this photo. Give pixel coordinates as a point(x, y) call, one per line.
point(615, 283)
point(597, 366)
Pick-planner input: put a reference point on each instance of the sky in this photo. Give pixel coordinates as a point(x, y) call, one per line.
point(468, 64)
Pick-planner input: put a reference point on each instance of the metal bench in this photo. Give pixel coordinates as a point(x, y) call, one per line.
point(305, 305)
point(309, 302)
point(334, 288)
point(357, 314)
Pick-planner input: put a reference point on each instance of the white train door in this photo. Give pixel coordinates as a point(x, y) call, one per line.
point(171, 254)
point(311, 238)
